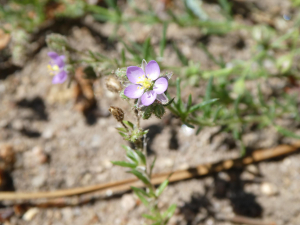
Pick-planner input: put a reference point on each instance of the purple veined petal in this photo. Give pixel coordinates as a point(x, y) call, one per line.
point(60, 77)
point(133, 73)
point(152, 70)
point(148, 98)
point(133, 91)
point(60, 61)
point(162, 98)
point(53, 55)
point(160, 85)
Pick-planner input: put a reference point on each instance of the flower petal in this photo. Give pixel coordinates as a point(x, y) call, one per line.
point(152, 70)
point(60, 77)
point(148, 98)
point(53, 55)
point(60, 61)
point(162, 98)
point(133, 91)
point(133, 73)
point(160, 85)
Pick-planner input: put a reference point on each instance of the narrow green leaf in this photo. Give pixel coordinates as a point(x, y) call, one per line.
point(124, 164)
point(141, 156)
point(216, 113)
point(170, 211)
point(157, 223)
point(146, 49)
point(140, 190)
point(163, 41)
point(128, 123)
point(189, 104)
point(198, 130)
point(140, 176)
point(131, 154)
point(123, 57)
point(286, 132)
point(141, 197)
point(236, 105)
point(161, 187)
point(180, 56)
point(189, 125)
point(123, 135)
point(170, 102)
point(202, 104)
point(122, 129)
point(149, 217)
point(152, 166)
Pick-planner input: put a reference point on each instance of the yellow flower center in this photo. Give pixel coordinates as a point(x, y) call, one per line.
point(52, 69)
point(145, 82)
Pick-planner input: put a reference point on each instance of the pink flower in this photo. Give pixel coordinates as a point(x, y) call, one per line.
point(146, 85)
point(56, 67)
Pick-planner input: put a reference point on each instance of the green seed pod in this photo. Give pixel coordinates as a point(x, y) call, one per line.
point(148, 112)
point(159, 111)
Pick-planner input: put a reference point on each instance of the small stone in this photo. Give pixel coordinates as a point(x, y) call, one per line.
point(268, 189)
point(86, 178)
point(183, 166)
point(48, 134)
point(128, 202)
point(67, 213)
point(168, 162)
point(107, 164)
point(30, 214)
point(17, 125)
point(253, 169)
point(39, 180)
point(3, 123)
point(187, 131)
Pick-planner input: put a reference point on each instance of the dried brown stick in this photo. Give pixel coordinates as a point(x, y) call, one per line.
point(124, 185)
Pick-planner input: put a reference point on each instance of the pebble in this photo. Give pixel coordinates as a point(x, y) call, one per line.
point(48, 134)
point(187, 131)
point(107, 164)
point(35, 156)
point(39, 180)
point(128, 202)
point(17, 125)
point(86, 179)
point(253, 169)
point(183, 166)
point(67, 214)
point(268, 189)
point(30, 214)
point(168, 162)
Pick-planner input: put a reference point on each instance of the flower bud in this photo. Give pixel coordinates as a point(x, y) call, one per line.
point(57, 42)
point(117, 113)
point(121, 73)
point(113, 84)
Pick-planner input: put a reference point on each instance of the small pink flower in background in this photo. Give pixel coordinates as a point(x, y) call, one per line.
point(146, 85)
point(56, 68)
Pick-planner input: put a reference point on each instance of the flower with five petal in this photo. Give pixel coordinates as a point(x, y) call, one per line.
point(146, 85)
point(56, 68)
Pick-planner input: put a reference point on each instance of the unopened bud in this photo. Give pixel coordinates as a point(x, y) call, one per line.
point(113, 84)
point(121, 73)
point(57, 42)
point(117, 113)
